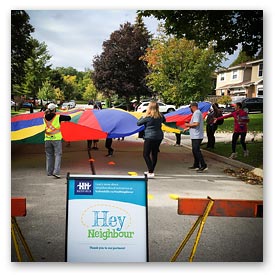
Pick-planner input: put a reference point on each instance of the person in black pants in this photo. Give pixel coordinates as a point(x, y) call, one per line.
point(178, 139)
point(211, 127)
point(153, 135)
point(108, 145)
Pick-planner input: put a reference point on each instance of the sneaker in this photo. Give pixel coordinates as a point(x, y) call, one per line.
point(150, 175)
point(202, 169)
point(57, 176)
point(193, 168)
point(233, 155)
point(246, 153)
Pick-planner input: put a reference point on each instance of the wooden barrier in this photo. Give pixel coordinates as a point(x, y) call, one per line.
point(18, 209)
point(221, 207)
point(209, 207)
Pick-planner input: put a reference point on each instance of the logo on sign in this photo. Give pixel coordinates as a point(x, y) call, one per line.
point(83, 187)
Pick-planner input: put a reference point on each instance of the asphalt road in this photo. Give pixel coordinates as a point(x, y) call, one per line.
point(223, 239)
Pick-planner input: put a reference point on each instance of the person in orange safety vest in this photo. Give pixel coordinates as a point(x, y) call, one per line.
point(53, 140)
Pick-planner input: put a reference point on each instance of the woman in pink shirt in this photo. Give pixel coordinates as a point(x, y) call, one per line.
point(240, 128)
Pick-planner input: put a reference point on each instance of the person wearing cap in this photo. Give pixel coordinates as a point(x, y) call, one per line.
point(53, 140)
point(195, 127)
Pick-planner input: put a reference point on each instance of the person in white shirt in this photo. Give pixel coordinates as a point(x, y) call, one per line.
point(195, 127)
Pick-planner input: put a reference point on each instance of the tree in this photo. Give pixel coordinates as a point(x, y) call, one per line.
point(70, 86)
point(180, 71)
point(21, 46)
point(227, 28)
point(119, 68)
point(59, 95)
point(90, 92)
point(36, 68)
point(46, 92)
point(87, 87)
point(242, 58)
point(56, 79)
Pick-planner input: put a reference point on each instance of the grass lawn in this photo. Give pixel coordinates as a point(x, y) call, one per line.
point(255, 148)
point(255, 152)
point(255, 124)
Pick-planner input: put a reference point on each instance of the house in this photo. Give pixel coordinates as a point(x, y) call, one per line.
point(243, 80)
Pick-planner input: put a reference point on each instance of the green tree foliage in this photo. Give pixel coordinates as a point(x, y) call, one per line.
point(68, 71)
point(87, 87)
point(227, 28)
point(56, 78)
point(36, 68)
point(21, 46)
point(46, 92)
point(226, 99)
point(90, 92)
point(242, 58)
point(119, 68)
point(70, 86)
point(180, 71)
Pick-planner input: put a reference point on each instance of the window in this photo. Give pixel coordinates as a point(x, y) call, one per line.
point(234, 74)
point(260, 92)
point(222, 77)
point(260, 73)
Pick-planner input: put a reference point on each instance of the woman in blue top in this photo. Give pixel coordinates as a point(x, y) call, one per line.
point(153, 135)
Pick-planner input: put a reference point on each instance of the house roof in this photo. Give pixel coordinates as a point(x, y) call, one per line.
point(244, 65)
point(237, 85)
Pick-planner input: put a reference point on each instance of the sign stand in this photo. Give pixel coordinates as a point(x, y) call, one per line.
point(200, 221)
point(107, 219)
point(221, 208)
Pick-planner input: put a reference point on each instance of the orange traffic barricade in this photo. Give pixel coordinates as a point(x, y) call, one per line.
point(18, 209)
point(209, 207)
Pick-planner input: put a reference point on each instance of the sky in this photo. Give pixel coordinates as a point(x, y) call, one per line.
point(74, 37)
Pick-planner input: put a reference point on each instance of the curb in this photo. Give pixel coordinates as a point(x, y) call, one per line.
point(232, 162)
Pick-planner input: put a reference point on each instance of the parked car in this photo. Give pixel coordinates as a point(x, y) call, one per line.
point(163, 108)
point(68, 105)
point(72, 103)
point(27, 104)
point(254, 104)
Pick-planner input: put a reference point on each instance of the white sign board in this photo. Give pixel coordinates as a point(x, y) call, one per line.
point(106, 219)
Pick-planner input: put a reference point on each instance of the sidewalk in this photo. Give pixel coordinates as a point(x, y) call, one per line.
point(223, 239)
point(221, 137)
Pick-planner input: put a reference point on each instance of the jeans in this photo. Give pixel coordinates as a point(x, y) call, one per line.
point(198, 157)
point(150, 153)
point(53, 149)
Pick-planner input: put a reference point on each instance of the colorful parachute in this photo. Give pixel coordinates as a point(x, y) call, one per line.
point(95, 124)
point(178, 118)
point(29, 128)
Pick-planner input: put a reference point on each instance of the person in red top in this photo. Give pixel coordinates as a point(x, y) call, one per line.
point(241, 120)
